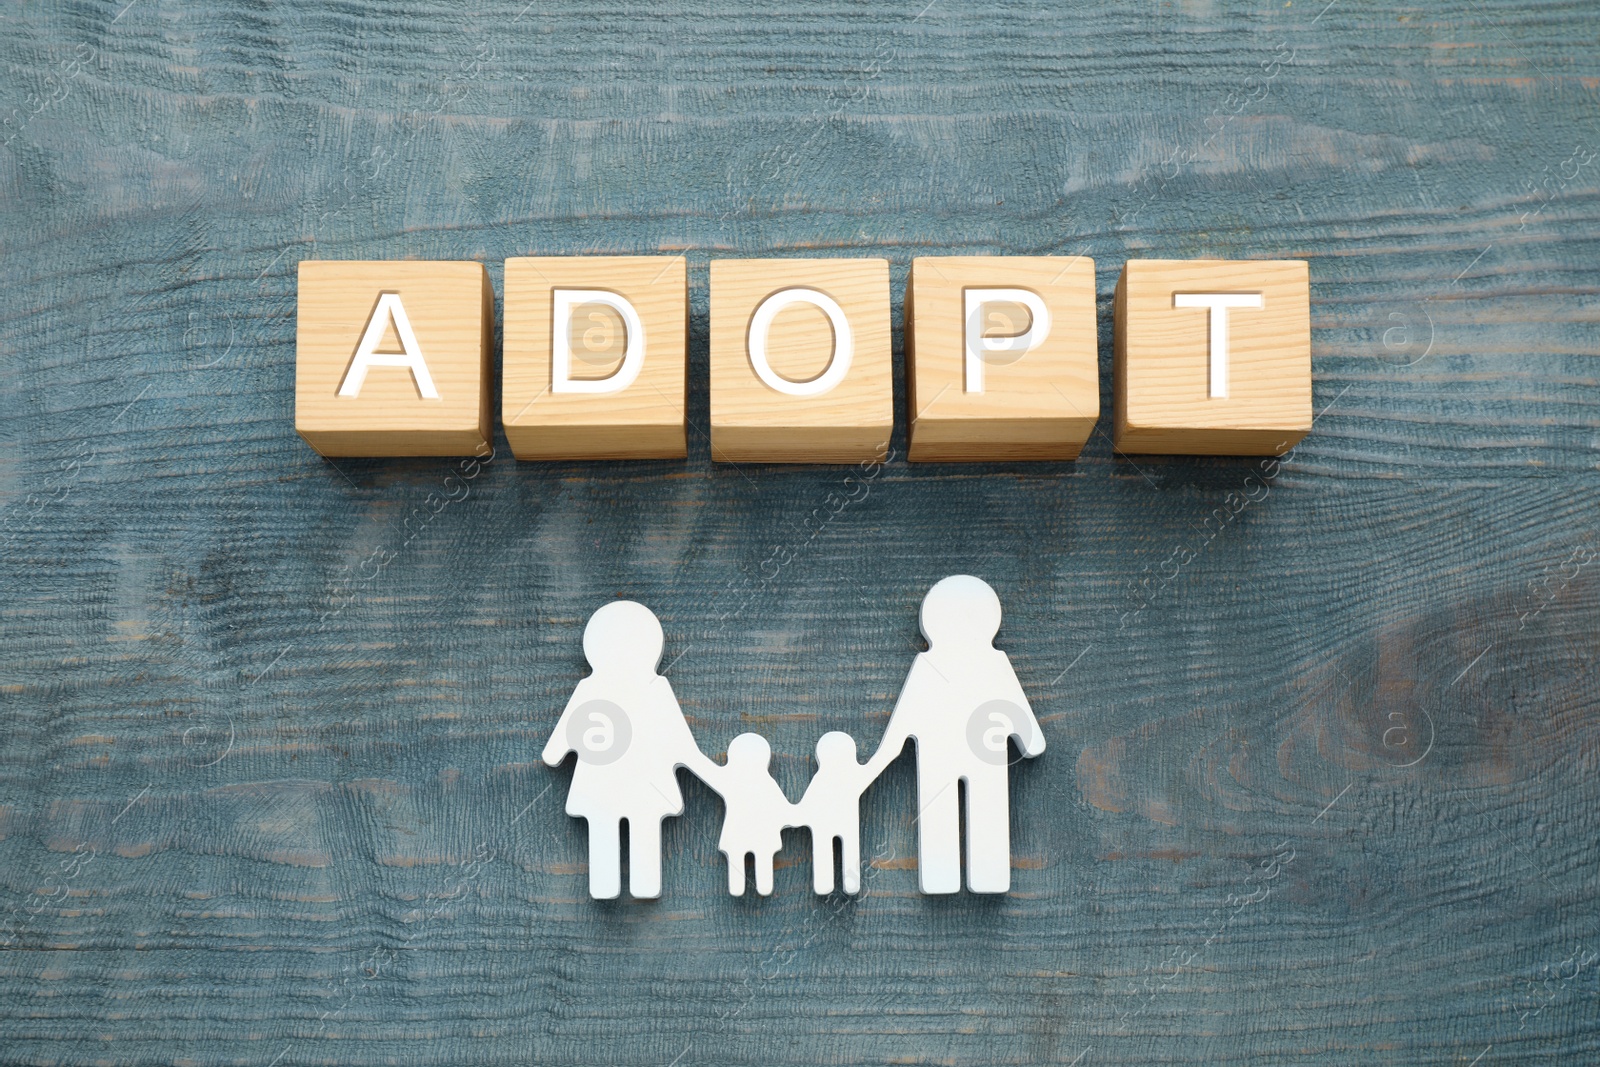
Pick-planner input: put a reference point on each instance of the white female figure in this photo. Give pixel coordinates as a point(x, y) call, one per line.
point(625, 724)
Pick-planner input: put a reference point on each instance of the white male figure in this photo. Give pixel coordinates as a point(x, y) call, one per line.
point(630, 735)
point(961, 703)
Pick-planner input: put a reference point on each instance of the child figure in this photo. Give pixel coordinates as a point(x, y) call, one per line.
point(831, 808)
point(756, 813)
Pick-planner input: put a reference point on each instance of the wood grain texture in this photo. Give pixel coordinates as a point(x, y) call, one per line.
point(1035, 405)
point(752, 421)
point(1321, 781)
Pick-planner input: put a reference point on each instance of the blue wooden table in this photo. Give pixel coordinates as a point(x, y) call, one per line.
point(1324, 749)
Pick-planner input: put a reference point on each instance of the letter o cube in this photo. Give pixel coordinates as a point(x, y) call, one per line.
point(800, 360)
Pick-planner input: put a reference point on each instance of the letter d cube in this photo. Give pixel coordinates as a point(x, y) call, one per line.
point(596, 357)
point(392, 358)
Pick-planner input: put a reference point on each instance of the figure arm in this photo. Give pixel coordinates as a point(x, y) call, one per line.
point(801, 812)
point(704, 768)
point(1030, 739)
point(786, 811)
point(898, 731)
point(685, 750)
point(558, 747)
point(880, 760)
point(795, 813)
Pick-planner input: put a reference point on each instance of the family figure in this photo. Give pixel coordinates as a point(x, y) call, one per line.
point(961, 704)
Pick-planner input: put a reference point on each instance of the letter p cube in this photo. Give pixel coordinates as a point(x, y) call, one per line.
point(1001, 361)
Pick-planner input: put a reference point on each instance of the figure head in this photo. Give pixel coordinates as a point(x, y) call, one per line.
point(623, 636)
point(749, 750)
point(834, 748)
point(960, 610)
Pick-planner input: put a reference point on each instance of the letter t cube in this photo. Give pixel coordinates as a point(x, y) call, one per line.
point(1213, 357)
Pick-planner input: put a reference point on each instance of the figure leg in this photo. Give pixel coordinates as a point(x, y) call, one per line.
point(605, 859)
point(850, 858)
point(939, 837)
point(988, 833)
point(735, 873)
point(821, 862)
point(644, 857)
point(764, 872)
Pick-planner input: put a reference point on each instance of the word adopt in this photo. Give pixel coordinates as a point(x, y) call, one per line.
point(1212, 357)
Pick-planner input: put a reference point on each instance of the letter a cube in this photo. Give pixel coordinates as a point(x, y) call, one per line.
point(1001, 357)
point(596, 357)
point(392, 358)
point(800, 362)
point(1213, 357)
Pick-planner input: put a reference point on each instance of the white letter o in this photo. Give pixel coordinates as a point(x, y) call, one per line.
point(843, 341)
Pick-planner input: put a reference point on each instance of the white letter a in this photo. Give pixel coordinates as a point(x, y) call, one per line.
point(410, 354)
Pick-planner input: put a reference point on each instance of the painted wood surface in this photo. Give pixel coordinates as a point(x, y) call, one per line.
point(1321, 779)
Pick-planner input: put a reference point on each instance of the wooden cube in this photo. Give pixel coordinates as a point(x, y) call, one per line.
point(392, 358)
point(595, 363)
point(1213, 357)
point(800, 361)
point(1001, 357)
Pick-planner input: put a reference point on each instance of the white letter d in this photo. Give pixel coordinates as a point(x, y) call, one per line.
point(561, 380)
